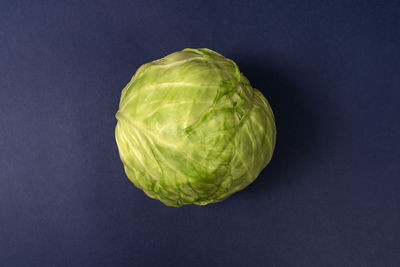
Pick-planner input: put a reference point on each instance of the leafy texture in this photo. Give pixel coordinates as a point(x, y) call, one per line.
point(192, 130)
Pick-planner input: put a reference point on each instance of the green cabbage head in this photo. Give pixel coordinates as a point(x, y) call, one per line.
point(192, 130)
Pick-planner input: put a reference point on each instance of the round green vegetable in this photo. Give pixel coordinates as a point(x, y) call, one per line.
point(192, 130)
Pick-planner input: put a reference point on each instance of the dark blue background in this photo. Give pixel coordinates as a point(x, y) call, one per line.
point(330, 197)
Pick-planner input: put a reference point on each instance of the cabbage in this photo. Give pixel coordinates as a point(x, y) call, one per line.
point(192, 130)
